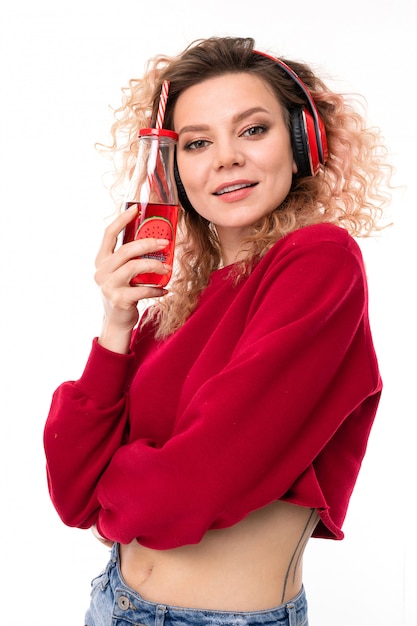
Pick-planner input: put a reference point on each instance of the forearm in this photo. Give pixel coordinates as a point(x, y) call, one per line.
point(114, 338)
point(85, 426)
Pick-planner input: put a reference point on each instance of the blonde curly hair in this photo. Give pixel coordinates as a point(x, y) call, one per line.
point(350, 190)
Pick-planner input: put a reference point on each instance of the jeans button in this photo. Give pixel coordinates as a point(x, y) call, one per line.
point(123, 603)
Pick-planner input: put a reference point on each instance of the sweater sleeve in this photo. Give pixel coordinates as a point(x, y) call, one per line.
point(303, 364)
point(85, 426)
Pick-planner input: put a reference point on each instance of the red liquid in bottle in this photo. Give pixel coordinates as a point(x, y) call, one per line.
point(159, 221)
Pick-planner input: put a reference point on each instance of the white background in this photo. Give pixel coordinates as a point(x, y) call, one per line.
point(62, 65)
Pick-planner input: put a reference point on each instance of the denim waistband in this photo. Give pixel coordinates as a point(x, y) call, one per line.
point(130, 609)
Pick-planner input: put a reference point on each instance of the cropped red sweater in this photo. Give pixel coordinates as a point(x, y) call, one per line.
point(267, 392)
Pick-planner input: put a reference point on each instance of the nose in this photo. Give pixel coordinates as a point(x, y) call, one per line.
point(228, 154)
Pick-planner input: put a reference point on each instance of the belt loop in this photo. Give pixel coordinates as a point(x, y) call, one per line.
point(160, 615)
point(292, 614)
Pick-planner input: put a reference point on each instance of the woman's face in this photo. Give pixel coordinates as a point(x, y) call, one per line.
point(234, 151)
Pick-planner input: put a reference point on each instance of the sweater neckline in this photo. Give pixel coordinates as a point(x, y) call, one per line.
point(222, 273)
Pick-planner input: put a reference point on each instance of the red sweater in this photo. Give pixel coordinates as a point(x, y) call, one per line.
point(267, 392)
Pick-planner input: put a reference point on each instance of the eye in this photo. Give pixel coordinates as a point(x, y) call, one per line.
point(196, 144)
point(257, 129)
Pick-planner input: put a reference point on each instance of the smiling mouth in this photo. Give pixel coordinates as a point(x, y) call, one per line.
point(231, 188)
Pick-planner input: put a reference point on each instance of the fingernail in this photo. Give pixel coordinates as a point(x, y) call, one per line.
point(162, 242)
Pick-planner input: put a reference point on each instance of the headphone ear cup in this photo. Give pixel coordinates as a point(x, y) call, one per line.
point(300, 142)
point(182, 196)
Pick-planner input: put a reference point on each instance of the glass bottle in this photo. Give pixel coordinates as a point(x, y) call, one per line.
point(152, 187)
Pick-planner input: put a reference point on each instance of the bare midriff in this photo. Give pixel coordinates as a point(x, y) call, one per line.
point(254, 565)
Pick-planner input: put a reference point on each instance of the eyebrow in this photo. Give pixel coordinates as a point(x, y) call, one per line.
point(236, 118)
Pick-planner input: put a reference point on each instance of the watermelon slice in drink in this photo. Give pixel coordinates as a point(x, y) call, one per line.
point(159, 228)
point(155, 226)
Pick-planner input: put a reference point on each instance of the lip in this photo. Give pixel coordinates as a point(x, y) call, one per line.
point(239, 184)
point(234, 190)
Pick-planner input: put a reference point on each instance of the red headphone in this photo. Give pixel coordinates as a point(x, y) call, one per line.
point(308, 135)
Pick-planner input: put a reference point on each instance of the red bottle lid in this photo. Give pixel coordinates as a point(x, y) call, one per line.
point(158, 132)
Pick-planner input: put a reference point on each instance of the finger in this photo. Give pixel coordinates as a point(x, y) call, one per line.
point(129, 252)
point(125, 299)
point(131, 295)
point(113, 231)
point(139, 248)
point(110, 279)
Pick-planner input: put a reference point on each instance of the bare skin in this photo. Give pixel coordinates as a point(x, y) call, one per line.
point(254, 565)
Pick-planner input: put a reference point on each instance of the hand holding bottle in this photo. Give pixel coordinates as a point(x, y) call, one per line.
point(115, 269)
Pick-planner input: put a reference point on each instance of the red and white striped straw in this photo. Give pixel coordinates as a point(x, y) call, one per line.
point(162, 104)
point(159, 124)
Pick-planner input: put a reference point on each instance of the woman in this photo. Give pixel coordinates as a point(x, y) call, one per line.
point(208, 442)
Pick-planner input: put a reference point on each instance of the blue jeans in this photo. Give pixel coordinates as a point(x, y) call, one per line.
point(113, 603)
